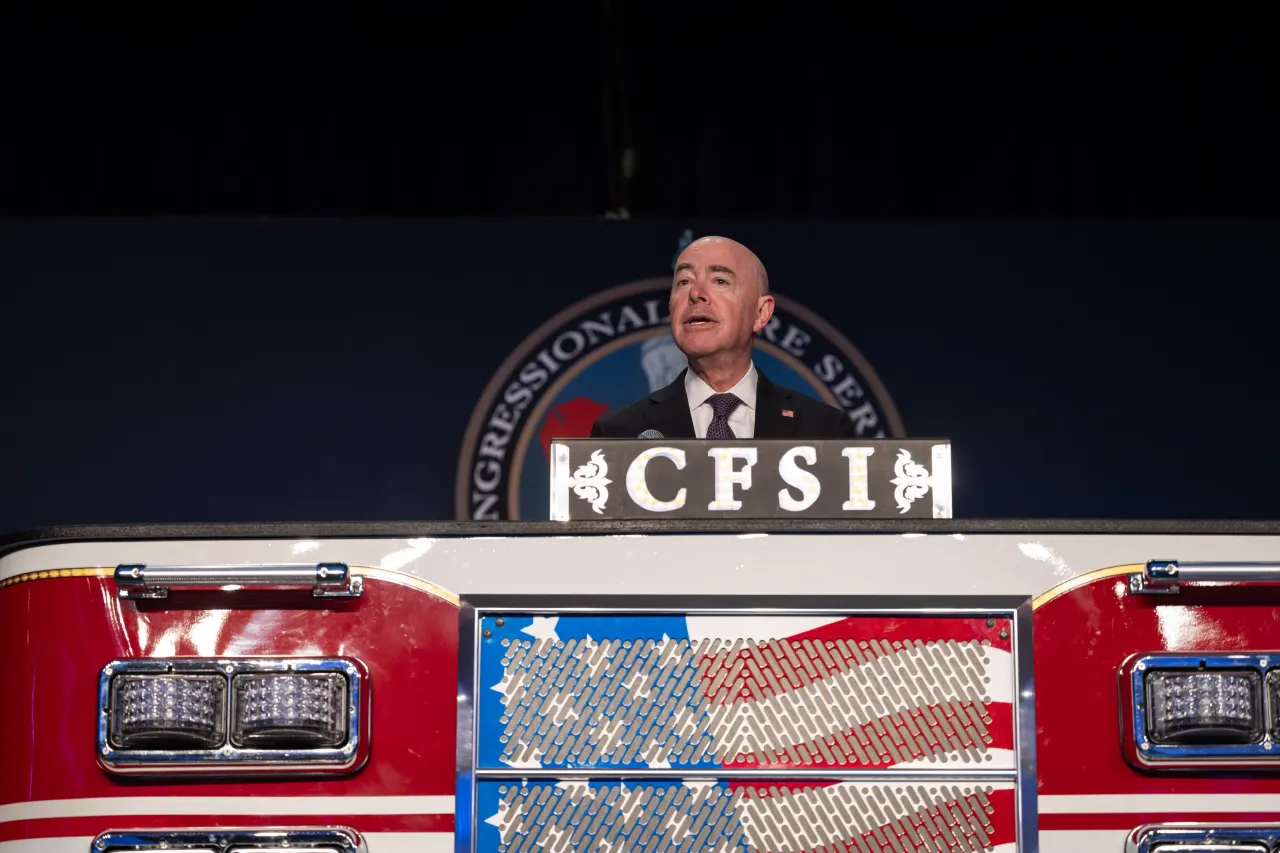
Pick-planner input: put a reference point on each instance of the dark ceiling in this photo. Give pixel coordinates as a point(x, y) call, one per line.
point(804, 109)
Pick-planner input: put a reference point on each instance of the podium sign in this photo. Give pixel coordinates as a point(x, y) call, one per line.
point(628, 478)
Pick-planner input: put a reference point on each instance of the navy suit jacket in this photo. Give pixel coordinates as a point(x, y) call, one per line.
point(667, 411)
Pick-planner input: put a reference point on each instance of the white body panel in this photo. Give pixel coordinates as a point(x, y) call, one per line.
point(752, 563)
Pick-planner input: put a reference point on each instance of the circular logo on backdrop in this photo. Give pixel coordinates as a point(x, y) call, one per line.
point(612, 349)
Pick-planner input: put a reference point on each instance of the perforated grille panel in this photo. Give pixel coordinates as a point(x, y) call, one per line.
point(740, 701)
point(849, 694)
point(718, 816)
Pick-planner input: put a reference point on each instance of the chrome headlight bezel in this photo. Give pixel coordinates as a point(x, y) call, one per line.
point(326, 839)
point(226, 757)
point(1142, 750)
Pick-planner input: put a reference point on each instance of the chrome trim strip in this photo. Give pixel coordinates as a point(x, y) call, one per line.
point(326, 580)
point(604, 774)
point(475, 724)
point(464, 840)
point(941, 481)
point(228, 757)
point(752, 605)
point(1024, 744)
point(231, 840)
point(559, 481)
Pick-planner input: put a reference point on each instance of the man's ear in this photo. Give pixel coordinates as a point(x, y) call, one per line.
point(764, 311)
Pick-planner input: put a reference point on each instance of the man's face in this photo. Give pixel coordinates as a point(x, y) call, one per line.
point(716, 305)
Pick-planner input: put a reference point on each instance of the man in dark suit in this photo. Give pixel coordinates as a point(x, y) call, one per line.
point(719, 301)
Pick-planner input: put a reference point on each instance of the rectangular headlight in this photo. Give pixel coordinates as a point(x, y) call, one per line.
point(167, 711)
point(289, 711)
point(1216, 707)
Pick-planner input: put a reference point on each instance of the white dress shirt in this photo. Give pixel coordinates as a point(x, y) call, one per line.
point(742, 420)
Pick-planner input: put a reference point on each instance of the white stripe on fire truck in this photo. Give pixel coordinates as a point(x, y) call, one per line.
point(1081, 804)
point(225, 806)
point(1082, 840)
point(1136, 804)
point(378, 842)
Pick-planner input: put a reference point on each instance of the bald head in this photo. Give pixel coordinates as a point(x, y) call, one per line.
point(719, 301)
point(754, 268)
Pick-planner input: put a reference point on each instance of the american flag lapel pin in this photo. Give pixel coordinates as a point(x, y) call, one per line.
point(787, 413)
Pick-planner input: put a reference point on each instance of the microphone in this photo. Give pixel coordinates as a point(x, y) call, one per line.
point(651, 433)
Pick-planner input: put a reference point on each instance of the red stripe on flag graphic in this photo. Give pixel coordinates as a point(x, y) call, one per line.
point(799, 817)
point(825, 699)
point(899, 629)
point(947, 733)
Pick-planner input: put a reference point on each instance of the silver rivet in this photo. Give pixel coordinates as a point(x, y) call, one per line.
point(100, 844)
point(229, 669)
point(1141, 665)
point(499, 621)
point(228, 749)
point(1263, 662)
point(324, 573)
point(136, 572)
point(488, 633)
point(1146, 745)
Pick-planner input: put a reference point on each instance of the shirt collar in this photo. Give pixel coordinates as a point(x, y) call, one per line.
point(698, 391)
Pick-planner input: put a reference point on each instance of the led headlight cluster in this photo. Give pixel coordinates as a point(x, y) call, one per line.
point(289, 710)
point(181, 713)
point(1197, 708)
point(1204, 707)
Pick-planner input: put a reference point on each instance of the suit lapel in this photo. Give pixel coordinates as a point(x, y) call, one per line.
point(771, 400)
point(669, 410)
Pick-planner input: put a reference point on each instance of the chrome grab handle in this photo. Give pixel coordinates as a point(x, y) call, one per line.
point(326, 580)
point(1162, 577)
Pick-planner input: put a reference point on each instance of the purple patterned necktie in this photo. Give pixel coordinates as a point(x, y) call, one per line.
point(722, 405)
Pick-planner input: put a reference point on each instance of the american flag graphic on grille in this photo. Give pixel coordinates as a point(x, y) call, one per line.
point(745, 692)
point(765, 817)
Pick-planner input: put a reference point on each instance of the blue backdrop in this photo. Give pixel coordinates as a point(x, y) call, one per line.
point(323, 370)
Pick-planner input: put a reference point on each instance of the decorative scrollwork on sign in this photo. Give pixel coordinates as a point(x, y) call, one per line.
point(912, 481)
point(589, 482)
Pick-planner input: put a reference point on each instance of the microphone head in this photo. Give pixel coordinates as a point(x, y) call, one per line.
point(651, 433)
